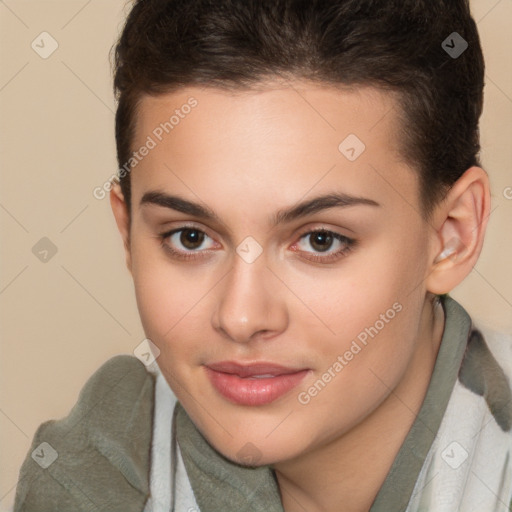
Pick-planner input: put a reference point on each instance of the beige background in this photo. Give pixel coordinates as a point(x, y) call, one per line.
point(60, 320)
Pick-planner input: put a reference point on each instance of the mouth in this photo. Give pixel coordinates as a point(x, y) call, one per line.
point(253, 384)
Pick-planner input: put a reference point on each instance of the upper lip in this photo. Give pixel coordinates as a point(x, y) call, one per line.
point(249, 370)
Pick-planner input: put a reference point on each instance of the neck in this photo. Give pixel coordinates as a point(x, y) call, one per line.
point(348, 472)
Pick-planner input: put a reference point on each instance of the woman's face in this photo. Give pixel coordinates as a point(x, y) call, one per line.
point(228, 270)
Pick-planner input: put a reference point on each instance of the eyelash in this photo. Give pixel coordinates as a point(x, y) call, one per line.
point(350, 243)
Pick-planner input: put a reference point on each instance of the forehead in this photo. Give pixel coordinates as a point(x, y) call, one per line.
point(309, 111)
point(279, 140)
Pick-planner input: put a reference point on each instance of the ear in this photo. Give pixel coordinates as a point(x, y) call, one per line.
point(122, 216)
point(461, 220)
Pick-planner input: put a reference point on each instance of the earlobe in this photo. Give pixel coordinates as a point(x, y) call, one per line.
point(462, 219)
point(122, 216)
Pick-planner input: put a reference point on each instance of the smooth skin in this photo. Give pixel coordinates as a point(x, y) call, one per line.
point(246, 156)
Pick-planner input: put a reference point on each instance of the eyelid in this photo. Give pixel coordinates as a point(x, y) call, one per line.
point(335, 234)
point(323, 227)
point(181, 225)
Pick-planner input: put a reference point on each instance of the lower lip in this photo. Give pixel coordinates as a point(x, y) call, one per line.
point(247, 391)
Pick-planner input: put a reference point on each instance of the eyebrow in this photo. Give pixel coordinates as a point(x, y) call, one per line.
point(302, 209)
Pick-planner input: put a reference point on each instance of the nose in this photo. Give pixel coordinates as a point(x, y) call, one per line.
point(250, 305)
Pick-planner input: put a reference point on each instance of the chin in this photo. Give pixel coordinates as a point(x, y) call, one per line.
point(252, 454)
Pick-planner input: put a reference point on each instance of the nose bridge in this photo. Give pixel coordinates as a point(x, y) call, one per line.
point(249, 303)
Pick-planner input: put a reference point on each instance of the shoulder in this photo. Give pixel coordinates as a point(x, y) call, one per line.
point(500, 344)
point(98, 455)
point(487, 371)
point(117, 383)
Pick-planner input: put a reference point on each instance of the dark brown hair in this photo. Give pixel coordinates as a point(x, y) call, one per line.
point(394, 45)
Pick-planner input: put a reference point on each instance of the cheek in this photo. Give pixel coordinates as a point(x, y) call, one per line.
point(156, 300)
point(172, 305)
point(161, 292)
point(372, 308)
point(347, 299)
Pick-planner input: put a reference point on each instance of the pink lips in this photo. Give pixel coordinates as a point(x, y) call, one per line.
point(254, 384)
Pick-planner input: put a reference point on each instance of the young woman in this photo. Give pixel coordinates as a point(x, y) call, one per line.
point(299, 190)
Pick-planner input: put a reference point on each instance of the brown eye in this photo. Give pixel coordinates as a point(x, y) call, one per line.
point(321, 240)
point(191, 238)
point(334, 246)
point(186, 242)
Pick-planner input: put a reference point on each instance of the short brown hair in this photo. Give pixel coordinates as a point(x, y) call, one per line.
point(395, 45)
